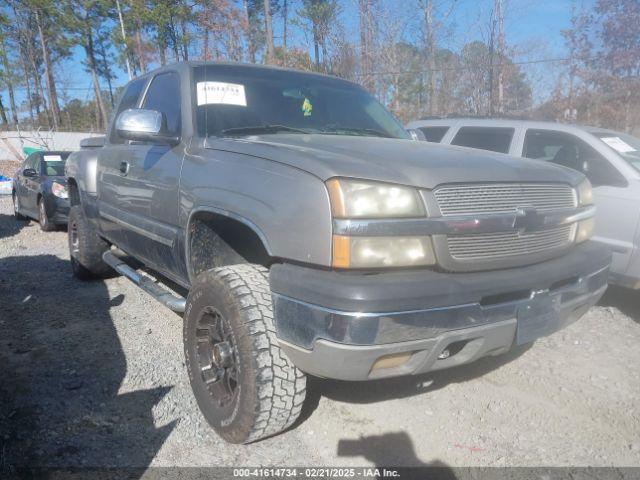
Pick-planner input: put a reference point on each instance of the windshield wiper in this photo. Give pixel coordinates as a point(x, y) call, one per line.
point(257, 129)
point(355, 131)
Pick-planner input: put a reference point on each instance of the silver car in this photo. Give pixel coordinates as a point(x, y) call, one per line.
point(611, 160)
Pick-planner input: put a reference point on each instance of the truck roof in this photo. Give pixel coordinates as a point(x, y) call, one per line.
point(186, 65)
point(502, 122)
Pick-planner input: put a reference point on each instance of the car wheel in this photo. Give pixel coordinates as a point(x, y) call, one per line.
point(85, 247)
point(43, 218)
point(245, 386)
point(16, 208)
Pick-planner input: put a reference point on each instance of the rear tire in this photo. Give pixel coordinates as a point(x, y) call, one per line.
point(245, 386)
point(43, 218)
point(85, 247)
point(16, 208)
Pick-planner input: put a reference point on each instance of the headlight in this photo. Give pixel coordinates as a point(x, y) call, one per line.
point(377, 252)
point(585, 193)
point(363, 199)
point(59, 190)
point(585, 229)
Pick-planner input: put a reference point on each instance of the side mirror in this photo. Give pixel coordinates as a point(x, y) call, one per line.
point(144, 126)
point(29, 172)
point(416, 134)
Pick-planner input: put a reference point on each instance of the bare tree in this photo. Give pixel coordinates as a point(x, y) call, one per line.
point(6, 75)
point(48, 72)
point(367, 42)
point(268, 30)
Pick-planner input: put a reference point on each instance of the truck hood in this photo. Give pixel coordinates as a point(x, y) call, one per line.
point(419, 164)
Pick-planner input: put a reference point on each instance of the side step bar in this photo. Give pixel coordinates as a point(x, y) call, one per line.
point(174, 302)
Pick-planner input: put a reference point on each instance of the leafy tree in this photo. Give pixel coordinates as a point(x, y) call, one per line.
point(85, 21)
point(605, 44)
point(317, 17)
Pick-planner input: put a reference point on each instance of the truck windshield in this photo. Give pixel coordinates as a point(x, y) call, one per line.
point(241, 100)
point(627, 146)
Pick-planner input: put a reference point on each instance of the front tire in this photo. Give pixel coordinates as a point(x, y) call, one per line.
point(85, 247)
point(43, 218)
point(245, 386)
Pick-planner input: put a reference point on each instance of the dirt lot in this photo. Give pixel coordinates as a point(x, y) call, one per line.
point(92, 374)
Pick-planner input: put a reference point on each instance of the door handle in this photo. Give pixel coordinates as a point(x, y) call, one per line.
point(124, 168)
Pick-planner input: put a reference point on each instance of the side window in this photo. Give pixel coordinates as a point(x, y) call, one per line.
point(27, 161)
point(129, 99)
point(485, 138)
point(434, 134)
point(33, 162)
point(570, 151)
point(163, 96)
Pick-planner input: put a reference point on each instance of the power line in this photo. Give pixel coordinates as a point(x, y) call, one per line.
point(469, 67)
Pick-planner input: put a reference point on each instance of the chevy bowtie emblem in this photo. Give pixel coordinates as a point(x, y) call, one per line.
point(527, 219)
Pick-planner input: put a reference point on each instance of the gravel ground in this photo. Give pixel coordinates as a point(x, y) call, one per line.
point(92, 374)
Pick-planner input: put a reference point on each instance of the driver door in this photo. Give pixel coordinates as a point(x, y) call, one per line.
point(140, 198)
point(30, 184)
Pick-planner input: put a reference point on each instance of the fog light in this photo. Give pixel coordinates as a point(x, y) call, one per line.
point(445, 354)
point(585, 229)
point(392, 361)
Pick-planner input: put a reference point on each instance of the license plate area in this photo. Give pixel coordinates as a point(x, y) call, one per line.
point(537, 318)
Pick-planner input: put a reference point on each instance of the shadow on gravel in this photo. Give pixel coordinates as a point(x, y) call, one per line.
point(400, 387)
point(62, 365)
point(10, 226)
point(394, 449)
point(625, 300)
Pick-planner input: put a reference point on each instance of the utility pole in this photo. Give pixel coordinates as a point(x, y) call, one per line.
point(430, 43)
point(124, 39)
point(491, 66)
point(285, 15)
point(269, 31)
point(365, 8)
point(501, 54)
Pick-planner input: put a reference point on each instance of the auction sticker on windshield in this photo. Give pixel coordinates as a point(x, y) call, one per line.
point(52, 158)
point(618, 144)
point(221, 93)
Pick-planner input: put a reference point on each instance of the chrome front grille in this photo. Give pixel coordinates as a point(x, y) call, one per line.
point(503, 248)
point(474, 199)
point(509, 244)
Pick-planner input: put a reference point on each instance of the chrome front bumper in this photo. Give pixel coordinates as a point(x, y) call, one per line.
point(346, 343)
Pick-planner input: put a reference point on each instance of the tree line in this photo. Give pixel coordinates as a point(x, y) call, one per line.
point(404, 56)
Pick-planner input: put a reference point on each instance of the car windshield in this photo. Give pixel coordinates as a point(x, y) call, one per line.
point(627, 146)
point(240, 101)
point(53, 163)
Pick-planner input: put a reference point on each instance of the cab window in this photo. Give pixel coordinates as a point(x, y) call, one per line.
point(33, 161)
point(129, 99)
point(569, 151)
point(434, 134)
point(485, 138)
point(163, 96)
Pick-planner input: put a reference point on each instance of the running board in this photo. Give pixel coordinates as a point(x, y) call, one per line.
point(174, 302)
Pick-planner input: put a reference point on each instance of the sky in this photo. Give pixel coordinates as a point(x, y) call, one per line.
point(532, 29)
